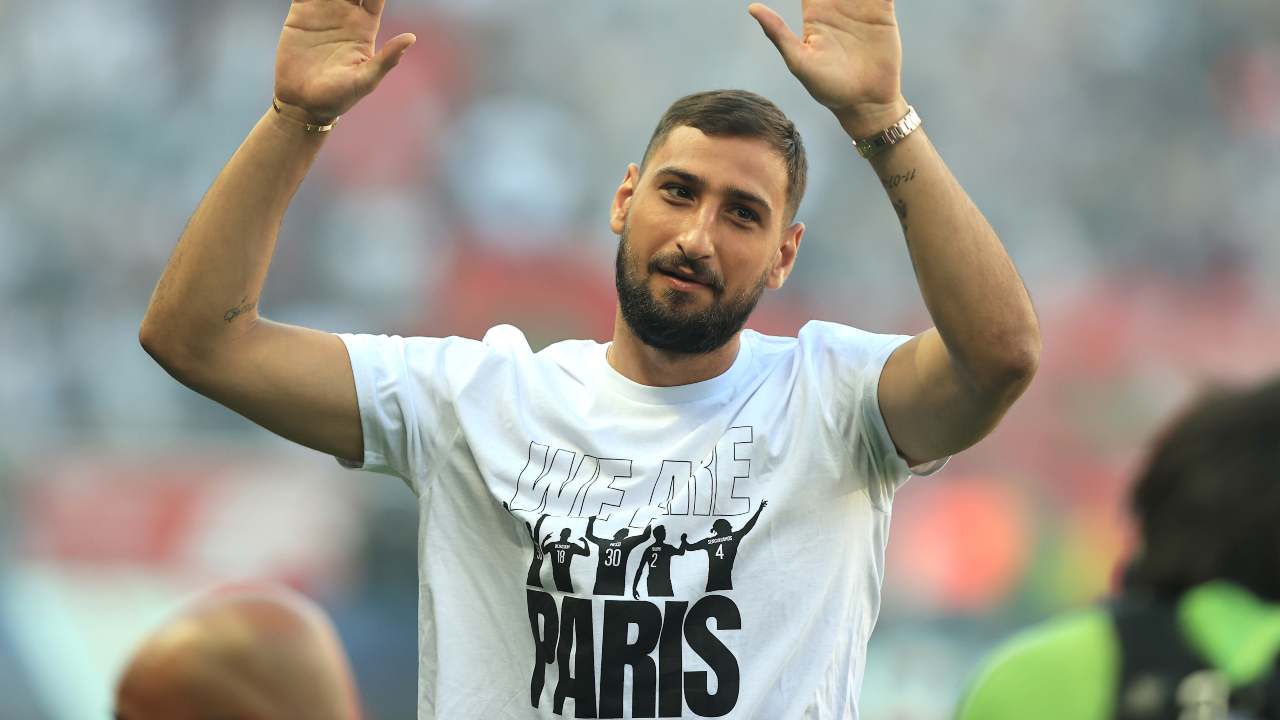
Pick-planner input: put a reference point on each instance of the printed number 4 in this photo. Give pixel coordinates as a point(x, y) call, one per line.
point(720, 550)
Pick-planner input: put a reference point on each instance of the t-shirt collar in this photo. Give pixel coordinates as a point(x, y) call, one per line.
point(677, 394)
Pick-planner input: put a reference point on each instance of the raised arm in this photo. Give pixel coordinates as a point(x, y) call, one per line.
point(537, 528)
point(752, 522)
point(635, 540)
point(685, 545)
point(591, 524)
point(202, 324)
point(948, 387)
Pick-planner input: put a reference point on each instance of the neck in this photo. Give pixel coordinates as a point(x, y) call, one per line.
point(647, 365)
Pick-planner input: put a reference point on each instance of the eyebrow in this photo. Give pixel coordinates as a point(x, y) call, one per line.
point(734, 193)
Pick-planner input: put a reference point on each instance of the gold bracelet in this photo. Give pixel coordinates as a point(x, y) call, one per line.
point(892, 135)
point(306, 126)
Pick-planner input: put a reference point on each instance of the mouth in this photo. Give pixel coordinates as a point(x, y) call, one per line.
point(683, 282)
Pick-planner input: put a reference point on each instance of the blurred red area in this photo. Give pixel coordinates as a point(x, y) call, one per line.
point(961, 543)
point(191, 517)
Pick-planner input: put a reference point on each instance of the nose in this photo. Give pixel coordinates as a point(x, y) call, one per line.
point(697, 240)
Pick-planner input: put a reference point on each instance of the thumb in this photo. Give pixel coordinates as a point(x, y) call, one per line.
point(388, 57)
point(775, 28)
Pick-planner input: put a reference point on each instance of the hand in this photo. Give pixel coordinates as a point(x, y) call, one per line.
point(764, 504)
point(325, 61)
point(635, 593)
point(849, 59)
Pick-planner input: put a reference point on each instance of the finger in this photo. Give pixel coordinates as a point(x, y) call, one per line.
point(388, 57)
point(775, 28)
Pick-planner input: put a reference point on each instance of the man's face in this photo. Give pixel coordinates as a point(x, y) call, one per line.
point(701, 235)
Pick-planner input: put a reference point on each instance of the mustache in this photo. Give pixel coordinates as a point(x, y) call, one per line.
point(696, 270)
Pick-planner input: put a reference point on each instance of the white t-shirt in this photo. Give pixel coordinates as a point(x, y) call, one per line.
point(638, 571)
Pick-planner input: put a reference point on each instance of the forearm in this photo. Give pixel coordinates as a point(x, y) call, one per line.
point(208, 293)
point(969, 284)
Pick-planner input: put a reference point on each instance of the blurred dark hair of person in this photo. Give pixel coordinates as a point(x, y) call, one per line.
point(260, 651)
point(1194, 633)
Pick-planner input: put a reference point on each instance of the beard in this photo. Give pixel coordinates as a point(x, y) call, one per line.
point(671, 323)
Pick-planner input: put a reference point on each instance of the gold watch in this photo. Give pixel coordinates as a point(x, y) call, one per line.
point(891, 135)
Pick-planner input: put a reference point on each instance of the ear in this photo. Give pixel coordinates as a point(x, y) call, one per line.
point(622, 199)
point(785, 259)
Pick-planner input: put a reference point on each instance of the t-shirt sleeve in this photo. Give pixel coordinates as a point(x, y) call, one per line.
point(847, 363)
point(406, 389)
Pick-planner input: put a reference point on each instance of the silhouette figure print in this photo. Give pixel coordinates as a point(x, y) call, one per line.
point(722, 549)
point(611, 568)
point(562, 553)
point(657, 558)
point(534, 577)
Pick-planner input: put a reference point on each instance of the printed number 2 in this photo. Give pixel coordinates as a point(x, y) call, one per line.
point(559, 556)
point(720, 550)
point(612, 556)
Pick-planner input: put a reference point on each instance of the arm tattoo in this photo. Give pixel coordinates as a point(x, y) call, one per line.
point(900, 206)
point(244, 307)
point(894, 181)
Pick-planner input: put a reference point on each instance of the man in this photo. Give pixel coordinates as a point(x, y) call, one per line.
point(657, 560)
point(611, 568)
point(722, 549)
point(684, 418)
point(562, 553)
point(246, 652)
point(534, 578)
point(1195, 633)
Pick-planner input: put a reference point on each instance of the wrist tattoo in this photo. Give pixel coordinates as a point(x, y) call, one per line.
point(244, 307)
point(894, 181)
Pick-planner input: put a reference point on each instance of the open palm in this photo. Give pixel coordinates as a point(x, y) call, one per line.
point(326, 60)
point(849, 54)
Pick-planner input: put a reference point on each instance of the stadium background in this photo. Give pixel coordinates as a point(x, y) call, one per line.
point(1126, 152)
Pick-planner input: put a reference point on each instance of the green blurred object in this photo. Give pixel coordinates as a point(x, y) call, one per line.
point(1068, 668)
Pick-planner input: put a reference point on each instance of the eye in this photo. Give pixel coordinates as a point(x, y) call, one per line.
point(678, 191)
point(745, 214)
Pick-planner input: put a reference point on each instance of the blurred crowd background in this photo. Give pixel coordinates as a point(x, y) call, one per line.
point(1127, 153)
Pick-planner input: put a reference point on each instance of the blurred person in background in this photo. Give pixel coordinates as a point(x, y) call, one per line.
point(243, 652)
point(684, 416)
point(1195, 632)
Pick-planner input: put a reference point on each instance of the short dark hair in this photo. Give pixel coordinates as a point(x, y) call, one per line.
point(739, 113)
point(1208, 502)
